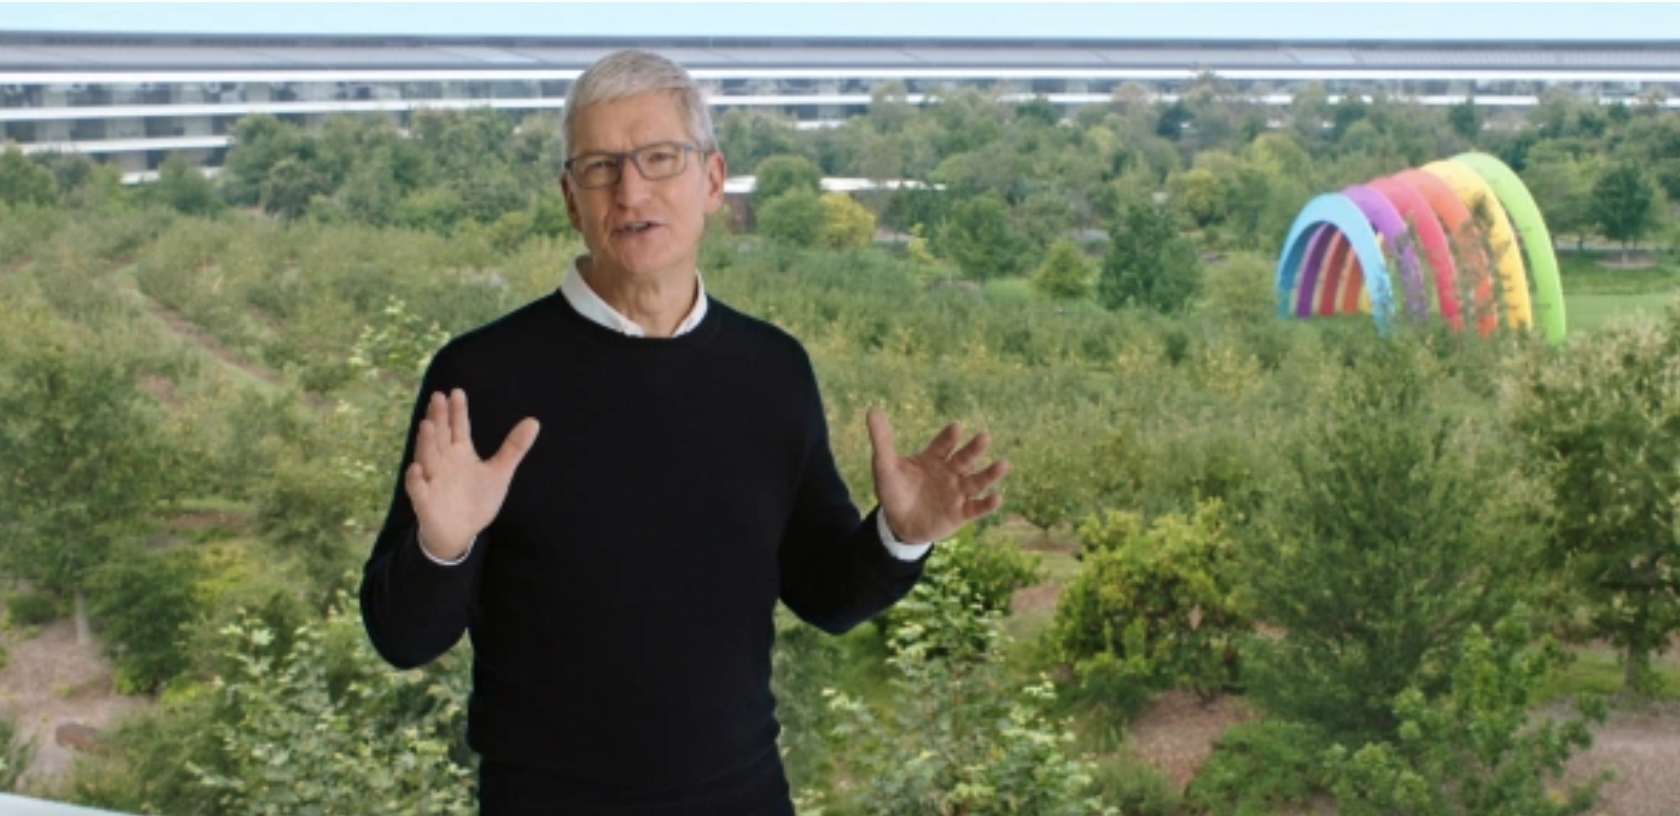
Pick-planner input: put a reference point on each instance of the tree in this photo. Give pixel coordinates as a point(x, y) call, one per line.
point(1475, 749)
point(1155, 605)
point(1065, 274)
point(1603, 423)
point(1148, 265)
point(291, 185)
point(183, 188)
point(846, 223)
point(1624, 204)
point(980, 237)
point(1466, 119)
point(796, 217)
point(23, 181)
point(777, 175)
point(144, 600)
point(81, 461)
point(1562, 185)
point(1393, 528)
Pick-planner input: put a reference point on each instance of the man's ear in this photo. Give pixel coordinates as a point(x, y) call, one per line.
point(571, 202)
point(717, 170)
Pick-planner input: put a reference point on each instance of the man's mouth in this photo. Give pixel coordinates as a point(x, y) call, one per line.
point(636, 227)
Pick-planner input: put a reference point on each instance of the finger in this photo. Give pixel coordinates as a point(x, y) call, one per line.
point(425, 447)
point(437, 413)
point(984, 505)
point(965, 458)
point(414, 480)
point(944, 442)
point(976, 483)
point(515, 446)
point(460, 428)
point(880, 435)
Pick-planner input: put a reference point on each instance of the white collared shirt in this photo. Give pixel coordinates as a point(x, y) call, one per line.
point(577, 293)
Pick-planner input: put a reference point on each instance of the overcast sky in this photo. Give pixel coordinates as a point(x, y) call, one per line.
point(1342, 20)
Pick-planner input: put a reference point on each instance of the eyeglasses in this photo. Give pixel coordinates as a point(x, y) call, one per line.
point(655, 161)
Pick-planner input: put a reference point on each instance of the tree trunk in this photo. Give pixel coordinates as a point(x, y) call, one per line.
point(1630, 673)
point(1624, 253)
point(83, 634)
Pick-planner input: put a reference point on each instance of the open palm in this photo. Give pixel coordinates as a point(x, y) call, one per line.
point(928, 495)
point(456, 494)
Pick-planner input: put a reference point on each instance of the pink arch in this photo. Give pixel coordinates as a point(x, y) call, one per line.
point(1464, 237)
point(1423, 223)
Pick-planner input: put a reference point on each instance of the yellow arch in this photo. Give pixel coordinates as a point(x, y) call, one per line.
point(1484, 205)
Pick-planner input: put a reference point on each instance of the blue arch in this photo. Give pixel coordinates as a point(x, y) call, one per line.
point(1340, 212)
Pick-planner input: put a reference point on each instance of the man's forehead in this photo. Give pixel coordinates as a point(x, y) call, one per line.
point(628, 122)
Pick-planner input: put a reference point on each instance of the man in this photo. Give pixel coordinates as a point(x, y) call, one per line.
point(618, 571)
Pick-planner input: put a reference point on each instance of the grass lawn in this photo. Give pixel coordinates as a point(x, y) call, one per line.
point(1597, 670)
point(1591, 311)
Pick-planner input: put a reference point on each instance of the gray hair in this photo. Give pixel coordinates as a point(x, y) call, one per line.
point(624, 74)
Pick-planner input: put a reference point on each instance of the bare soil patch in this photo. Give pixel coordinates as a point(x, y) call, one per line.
point(49, 681)
point(1642, 748)
point(1178, 730)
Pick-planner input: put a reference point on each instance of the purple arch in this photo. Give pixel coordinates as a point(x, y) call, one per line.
point(1311, 268)
point(1388, 223)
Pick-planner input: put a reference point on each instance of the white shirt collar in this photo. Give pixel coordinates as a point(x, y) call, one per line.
point(582, 298)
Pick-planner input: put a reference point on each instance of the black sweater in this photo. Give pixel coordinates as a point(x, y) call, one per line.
point(620, 605)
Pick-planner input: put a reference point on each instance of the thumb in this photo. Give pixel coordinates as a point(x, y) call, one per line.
point(513, 450)
point(880, 436)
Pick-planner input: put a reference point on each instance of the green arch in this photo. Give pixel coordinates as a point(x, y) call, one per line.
point(1519, 205)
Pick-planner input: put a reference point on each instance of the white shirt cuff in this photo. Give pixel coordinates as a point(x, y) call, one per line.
point(439, 561)
point(899, 550)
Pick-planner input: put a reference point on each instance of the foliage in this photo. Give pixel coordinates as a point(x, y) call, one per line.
point(980, 237)
point(796, 217)
point(1258, 769)
point(30, 608)
point(1148, 265)
point(326, 727)
point(846, 224)
point(1603, 425)
point(1065, 274)
point(81, 461)
point(184, 189)
point(803, 662)
point(990, 571)
point(145, 601)
point(24, 182)
point(957, 736)
point(1624, 203)
point(15, 756)
point(777, 176)
point(1475, 749)
point(1157, 602)
point(1394, 528)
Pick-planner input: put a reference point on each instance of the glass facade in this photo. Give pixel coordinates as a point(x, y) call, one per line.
point(135, 113)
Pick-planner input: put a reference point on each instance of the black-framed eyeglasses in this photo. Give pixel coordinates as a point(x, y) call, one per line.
point(655, 161)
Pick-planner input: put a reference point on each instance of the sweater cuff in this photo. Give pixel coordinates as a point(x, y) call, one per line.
point(885, 562)
point(899, 549)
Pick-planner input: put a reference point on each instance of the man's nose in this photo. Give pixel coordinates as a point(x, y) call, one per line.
point(632, 185)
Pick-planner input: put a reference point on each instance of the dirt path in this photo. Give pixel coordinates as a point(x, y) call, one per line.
point(203, 339)
point(50, 681)
point(1643, 749)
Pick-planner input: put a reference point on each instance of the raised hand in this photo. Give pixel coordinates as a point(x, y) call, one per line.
point(927, 496)
point(456, 494)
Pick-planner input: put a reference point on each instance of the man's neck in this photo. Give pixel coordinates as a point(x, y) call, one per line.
point(658, 306)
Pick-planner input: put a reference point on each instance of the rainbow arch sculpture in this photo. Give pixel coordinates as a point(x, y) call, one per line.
point(1451, 226)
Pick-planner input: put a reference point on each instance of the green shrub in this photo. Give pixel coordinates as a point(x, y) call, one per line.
point(144, 600)
point(1158, 600)
point(992, 570)
point(1136, 789)
point(1259, 769)
point(31, 608)
point(15, 756)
